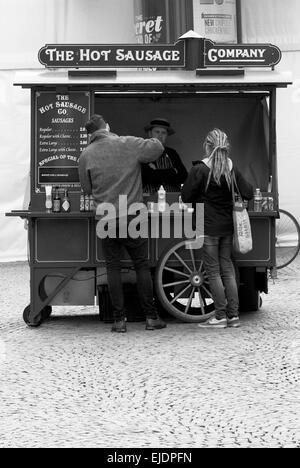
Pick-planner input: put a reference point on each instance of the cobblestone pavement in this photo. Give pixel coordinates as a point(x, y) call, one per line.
point(71, 383)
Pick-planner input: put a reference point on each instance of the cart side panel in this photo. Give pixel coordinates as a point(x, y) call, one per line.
point(262, 253)
point(62, 240)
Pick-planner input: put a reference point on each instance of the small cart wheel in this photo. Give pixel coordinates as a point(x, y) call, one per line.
point(46, 312)
point(181, 283)
point(38, 320)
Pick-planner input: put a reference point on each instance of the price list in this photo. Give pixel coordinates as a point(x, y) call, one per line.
point(60, 137)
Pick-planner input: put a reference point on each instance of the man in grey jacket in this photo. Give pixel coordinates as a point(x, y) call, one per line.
point(110, 167)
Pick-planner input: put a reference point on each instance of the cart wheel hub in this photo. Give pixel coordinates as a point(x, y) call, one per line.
point(196, 280)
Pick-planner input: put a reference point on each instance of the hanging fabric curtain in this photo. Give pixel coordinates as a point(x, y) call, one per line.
point(30, 24)
point(274, 21)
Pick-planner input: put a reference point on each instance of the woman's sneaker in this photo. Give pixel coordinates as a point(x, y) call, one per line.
point(233, 322)
point(214, 323)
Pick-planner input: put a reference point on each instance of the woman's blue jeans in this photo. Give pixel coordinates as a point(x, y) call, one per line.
point(221, 275)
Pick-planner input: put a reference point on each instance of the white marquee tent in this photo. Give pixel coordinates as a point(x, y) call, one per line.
point(26, 25)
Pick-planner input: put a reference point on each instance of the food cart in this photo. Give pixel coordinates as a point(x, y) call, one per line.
point(65, 255)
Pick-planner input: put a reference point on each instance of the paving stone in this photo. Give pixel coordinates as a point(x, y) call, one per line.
point(71, 383)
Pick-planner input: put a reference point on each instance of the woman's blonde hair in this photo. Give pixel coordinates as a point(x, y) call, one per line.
point(217, 148)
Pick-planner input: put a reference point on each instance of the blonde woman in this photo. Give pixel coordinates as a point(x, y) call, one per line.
point(210, 183)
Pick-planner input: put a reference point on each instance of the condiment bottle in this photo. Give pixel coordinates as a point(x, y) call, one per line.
point(92, 203)
point(56, 201)
point(161, 199)
point(86, 202)
point(48, 201)
point(258, 200)
point(65, 203)
point(81, 201)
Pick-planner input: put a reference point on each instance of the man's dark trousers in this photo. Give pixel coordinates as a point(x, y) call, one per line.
point(113, 249)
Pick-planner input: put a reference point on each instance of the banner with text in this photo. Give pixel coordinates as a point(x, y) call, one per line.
point(216, 19)
point(209, 54)
point(112, 56)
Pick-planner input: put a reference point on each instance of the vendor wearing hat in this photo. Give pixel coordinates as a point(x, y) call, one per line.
point(168, 170)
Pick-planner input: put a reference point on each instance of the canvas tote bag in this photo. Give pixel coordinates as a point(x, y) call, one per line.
point(242, 236)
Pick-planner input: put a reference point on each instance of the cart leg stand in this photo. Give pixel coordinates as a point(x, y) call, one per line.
point(39, 309)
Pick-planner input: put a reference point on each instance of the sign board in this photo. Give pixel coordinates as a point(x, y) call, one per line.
point(209, 54)
point(60, 137)
point(112, 56)
point(240, 55)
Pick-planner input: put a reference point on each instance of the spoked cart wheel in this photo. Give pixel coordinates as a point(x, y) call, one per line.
point(287, 244)
point(42, 316)
point(181, 283)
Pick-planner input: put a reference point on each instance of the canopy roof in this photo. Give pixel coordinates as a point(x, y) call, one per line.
point(153, 79)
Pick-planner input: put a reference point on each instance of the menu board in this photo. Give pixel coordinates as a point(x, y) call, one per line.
point(60, 137)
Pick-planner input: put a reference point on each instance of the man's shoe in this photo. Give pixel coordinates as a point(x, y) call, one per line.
point(214, 323)
point(119, 326)
point(233, 322)
point(155, 324)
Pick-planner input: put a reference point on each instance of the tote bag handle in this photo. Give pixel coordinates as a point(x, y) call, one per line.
point(235, 189)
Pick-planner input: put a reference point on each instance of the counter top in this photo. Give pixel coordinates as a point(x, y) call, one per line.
point(91, 214)
point(263, 214)
point(44, 214)
point(154, 79)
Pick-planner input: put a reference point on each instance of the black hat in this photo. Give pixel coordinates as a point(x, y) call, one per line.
point(160, 122)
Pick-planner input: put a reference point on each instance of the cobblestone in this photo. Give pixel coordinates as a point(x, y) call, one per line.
point(71, 383)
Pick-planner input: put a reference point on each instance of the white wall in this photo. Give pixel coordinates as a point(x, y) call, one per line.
point(288, 137)
point(274, 21)
point(277, 22)
point(26, 26)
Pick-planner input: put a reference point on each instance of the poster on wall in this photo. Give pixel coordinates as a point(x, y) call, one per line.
point(60, 137)
point(150, 21)
point(162, 21)
point(216, 20)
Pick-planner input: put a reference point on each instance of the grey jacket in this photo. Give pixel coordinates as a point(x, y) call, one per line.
point(110, 166)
